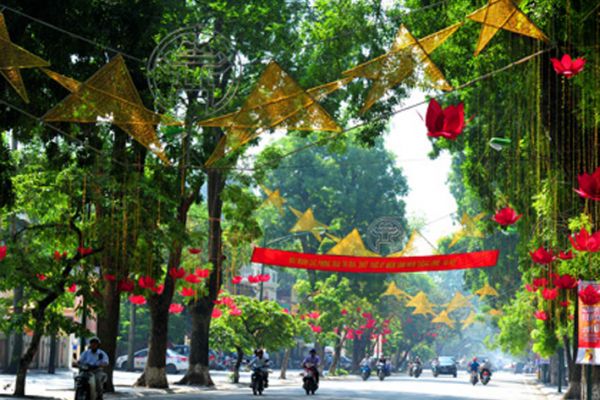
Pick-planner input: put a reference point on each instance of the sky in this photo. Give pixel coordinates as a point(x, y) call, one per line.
point(429, 198)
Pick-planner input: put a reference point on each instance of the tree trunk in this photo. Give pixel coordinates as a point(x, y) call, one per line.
point(108, 329)
point(594, 377)
point(25, 361)
point(238, 364)
point(17, 342)
point(201, 310)
point(575, 370)
point(52, 358)
point(337, 353)
point(284, 363)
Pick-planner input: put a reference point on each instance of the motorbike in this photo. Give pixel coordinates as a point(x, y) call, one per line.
point(82, 383)
point(258, 381)
point(365, 372)
point(310, 384)
point(486, 375)
point(382, 370)
point(474, 378)
point(416, 370)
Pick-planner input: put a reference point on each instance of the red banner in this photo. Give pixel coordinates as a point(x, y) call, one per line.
point(380, 265)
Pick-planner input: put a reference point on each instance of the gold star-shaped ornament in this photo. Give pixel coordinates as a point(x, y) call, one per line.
point(469, 228)
point(14, 58)
point(307, 223)
point(394, 290)
point(109, 96)
point(406, 55)
point(277, 101)
point(274, 199)
point(457, 302)
point(503, 14)
point(443, 318)
point(352, 245)
point(486, 290)
point(470, 320)
point(421, 303)
point(495, 313)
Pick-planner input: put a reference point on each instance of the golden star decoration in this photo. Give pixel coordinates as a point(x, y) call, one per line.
point(109, 95)
point(421, 303)
point(503, 14)
point(407, 53)
point(394, 290)
point(443, 318)
point(352, 245)
point(469, 228)
point(274, 199)
point(277, 101)
point(470, 320)
point(307, 223)
point(486, 290)
point(457, 302)
point(14, 58)
point(495, 313)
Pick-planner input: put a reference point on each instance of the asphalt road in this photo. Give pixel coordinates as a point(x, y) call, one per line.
point(504, 386)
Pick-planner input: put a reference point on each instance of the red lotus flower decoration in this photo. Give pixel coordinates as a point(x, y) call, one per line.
point(194, 250)
point(313, 315)
point(235, 312)
point(158, 289)
point(350, 334)
point(146, 282)
point(589, 185)
point(540, 282)
point(84, 251)
point(542, 256)
point(541, 315)
point(583, 241)
point(137, 300)
point(507, 216)
point(530, 288)
point(550, 294)
point(565, 282)
point(590, 295)
point(564, 303)
point(236, 280)
point(175, 308)
point(187, 292)
point(177, 273)
point(264, 277)
point(72, 288)
point(253, 279)
point(447, 123)
point(126, 285)
point(59, 256)
point(568, 67)
point(316, 328)
point(2, 252)
point(192, 278)
point(565, 256)
point(41, 277)
point(203, 273)
point(109, 277)
point(216, 313)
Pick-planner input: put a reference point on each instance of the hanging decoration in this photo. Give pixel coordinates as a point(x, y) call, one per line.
point(3, 250)
point(138, 300)
point(409, 248)
point(568, 67)
point(14, 58)
point(457, 302)
point(583, 241)
point(406, 55)
point(542, 256)
point(469, 228)
point(274, 199)
point(470, 320)
point(486, 290)
point(277, 101)
point(307, 223)
point(589, 185)
point(393, 290)
point(506, 216)
point(443, 318)
point(495, 313)
point(175, 308)
point(503, 14)
point(352, 245)
point(109, 95)
point(421, 304)
point(447, 123)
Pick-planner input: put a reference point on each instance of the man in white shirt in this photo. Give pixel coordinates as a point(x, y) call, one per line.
point(95, 358)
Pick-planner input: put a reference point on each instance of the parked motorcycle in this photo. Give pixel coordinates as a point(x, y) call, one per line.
point(310, 384)
point(258, 381)
point(365, 372)
point(486, 375)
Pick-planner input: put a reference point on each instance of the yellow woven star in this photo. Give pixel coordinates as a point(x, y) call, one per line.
point(109, 95)
point(470, 320)
point(443, 318)
point(486, 290)
point(274, 198)
point(277, 101)
point(469, 228)
point(307, 223)
point(393, 290)
point(421, 303)
point(458, 301)
point(503, 14)
point(352, 245)
point(14, 58)
point(495, 313)
point(406, 54)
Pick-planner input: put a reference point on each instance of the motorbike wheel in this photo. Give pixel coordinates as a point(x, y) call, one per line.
point(455, 375)
point(81, 394)
point(381, 376)
point(435, 374)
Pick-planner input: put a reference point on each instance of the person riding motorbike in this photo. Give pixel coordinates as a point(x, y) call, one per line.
point(260, 364)
point(383, 363)
point(486, 366)
point(416, 364)
point(312, 362)
point(474, 367)
point(95, 359)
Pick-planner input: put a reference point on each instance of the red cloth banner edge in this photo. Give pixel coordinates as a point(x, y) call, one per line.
point(381, 265)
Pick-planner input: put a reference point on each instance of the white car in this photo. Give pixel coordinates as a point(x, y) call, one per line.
point(175, 361)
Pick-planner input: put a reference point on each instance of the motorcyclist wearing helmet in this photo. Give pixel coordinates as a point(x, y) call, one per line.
point(474, 366)
point(260, 363)
point(312, 362)
point(95, 358)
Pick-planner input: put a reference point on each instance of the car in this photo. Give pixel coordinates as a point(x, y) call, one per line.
point(445, 366)
point(175, 361)
point(213, 359)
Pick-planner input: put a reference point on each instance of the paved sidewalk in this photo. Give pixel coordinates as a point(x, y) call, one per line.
point(550, 392)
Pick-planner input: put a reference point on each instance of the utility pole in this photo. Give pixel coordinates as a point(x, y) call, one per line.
point(131, 337)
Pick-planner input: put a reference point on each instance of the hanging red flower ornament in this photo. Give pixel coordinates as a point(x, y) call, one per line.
point(566, 256)
point(72, 288)
point(253, 279)
point(530, 288)
point(194, 250)
point(359, 332)
point(541, 315)
point(313, 315)
point(138, 300)
point(540, 283)
point(316, 328)
point(177, 273)
point(187, 292)
point(126, 285)
point(192, 278)
point(216, 313)
point(565, 282)
point(41, 277)
point(202, 273)
point(57, 255)
point(549, 294)
point(506, 216)
point(350, 334)
point(590, 295)
point(236, 280)
point(158, 289)
point(568, 67)
point(84, 251)
point(175, 308)
point(589, 185)
point(235, 312)
point(583, 241)
point(447, 123)
point(264, 278)
point(564, 303)
point(109, 277)
point(542, 256)
point(146, 282)
point(3, 250)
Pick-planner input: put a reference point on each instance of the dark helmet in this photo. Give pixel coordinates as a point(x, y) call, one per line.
point(94, 339)
point(258, 352)
point(313, 351)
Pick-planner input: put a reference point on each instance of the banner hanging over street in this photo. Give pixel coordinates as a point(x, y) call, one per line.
point(589, 327)
point(375, 265)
